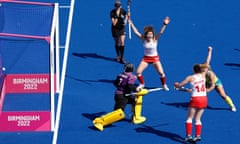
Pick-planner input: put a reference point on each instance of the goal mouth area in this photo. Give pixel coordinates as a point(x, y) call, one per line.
point(29, 58)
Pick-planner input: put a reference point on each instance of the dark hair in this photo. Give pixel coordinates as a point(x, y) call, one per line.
point(117, 3)
point(197, 68)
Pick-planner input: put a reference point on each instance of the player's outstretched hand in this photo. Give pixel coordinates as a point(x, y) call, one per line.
point(166, 21)
point(129, 20)
point(210, 48)
point(176, 84)
point(129, 14)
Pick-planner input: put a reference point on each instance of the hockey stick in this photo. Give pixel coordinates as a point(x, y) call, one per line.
point(183, 89)
point(144, 92)
point(129, 26)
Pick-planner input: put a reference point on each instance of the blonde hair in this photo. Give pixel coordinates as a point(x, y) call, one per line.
point(204, 66)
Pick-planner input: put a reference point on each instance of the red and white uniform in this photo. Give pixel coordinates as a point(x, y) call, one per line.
point(199, 93)
point(150, 51)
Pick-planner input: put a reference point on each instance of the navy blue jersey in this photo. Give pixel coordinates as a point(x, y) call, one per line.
point(125, 83)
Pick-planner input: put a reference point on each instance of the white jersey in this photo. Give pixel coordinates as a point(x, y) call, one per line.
point(150, 48)
point(198, 86)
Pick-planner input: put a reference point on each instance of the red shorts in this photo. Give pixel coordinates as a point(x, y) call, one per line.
point(151, 59)
point(199, 102)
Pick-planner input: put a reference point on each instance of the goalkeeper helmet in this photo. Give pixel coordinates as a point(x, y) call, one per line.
point(128, 67)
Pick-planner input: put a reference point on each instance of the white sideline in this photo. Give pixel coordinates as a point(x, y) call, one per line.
point(60, 97)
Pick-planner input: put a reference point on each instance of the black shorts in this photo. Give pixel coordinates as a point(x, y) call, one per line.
point(121, 101)
point(116, 32)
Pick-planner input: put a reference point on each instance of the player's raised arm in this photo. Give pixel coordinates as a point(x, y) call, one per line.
point(209, 56)
point(166, 21)
point(135, 30)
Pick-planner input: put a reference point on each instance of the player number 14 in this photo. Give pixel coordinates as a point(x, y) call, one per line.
point(200, 88)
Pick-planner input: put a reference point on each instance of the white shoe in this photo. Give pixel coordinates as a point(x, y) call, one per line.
point(165, 87)
point(233, 109)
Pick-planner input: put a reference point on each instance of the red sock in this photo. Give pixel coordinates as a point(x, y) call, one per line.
point(163, 80)
point(198, 128)
point(141, 80)
point(188, 127)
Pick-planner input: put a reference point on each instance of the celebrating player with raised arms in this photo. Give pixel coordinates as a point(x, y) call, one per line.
point(150, 44)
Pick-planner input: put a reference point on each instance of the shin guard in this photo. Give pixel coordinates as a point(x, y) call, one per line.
point(121, 50)
point(141, 80)
point(228, 100)
point(198, 128)
point(188, 127)
point(163, 80)
point(117, 49)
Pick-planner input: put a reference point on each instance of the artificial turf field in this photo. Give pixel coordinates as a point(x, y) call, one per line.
point(91, 68)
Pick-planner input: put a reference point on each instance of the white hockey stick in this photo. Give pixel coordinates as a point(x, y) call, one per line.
point(183, 89)
point(129, 26)
point(155, 89)
point(144, 92)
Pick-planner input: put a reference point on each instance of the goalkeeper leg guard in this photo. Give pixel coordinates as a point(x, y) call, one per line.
point(142, 92)
point(137, 118)
point(108, 119)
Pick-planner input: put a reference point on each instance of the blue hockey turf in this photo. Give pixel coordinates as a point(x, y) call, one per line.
point(91, 68)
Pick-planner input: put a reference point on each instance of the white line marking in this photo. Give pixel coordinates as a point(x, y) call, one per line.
point(60, 97)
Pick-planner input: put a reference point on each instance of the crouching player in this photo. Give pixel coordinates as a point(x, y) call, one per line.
point(125, 84)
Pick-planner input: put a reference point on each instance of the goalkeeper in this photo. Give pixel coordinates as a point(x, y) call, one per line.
point(125, 84)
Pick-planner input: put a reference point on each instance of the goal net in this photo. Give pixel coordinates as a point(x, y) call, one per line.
point(28, 69)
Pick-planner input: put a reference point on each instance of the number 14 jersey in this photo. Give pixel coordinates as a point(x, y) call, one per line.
point(198, 86)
